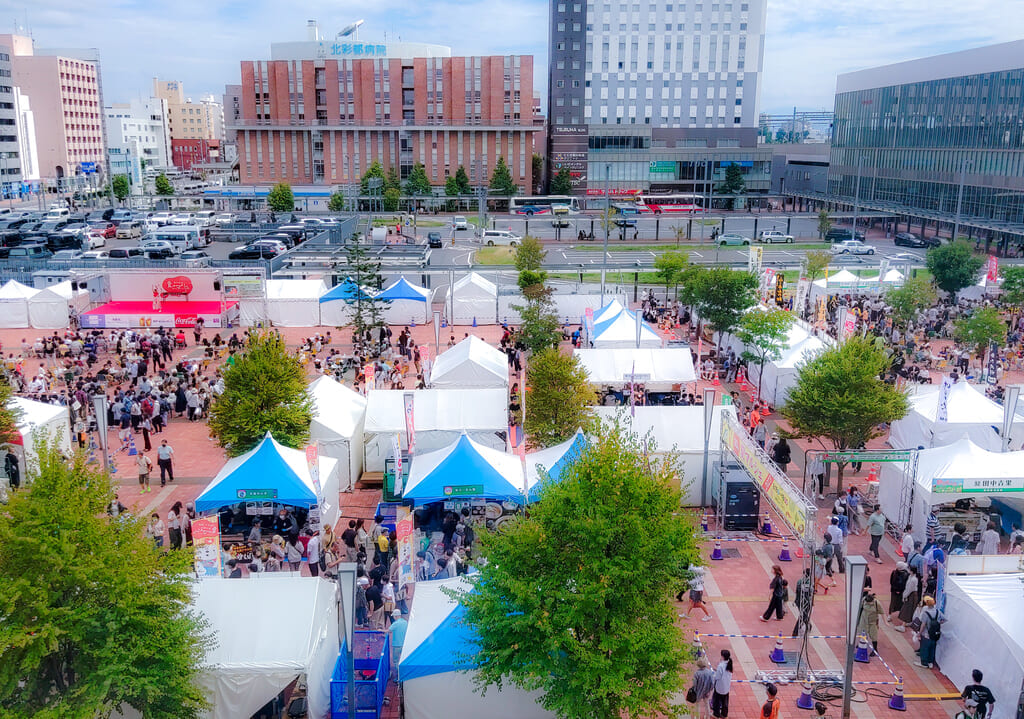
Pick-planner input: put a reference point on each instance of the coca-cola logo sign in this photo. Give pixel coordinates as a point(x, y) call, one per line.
point(177, 285)
point(185, 320)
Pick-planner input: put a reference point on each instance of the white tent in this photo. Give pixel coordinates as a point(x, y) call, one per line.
point(437, 680)
point(51, 308)
point(546, 465)
point(569, 307)
point(843, 277)
point(473, 298)
point(440, 416)
point(267, 633)
point(968, 412)
point(985, 630)
point(409, 304)
point(338, 417)
point(471, 363)
point(620, 331)
point(610, 310)
point(892, 276)
point(14, 298)
point(780, 375)
point(658, 369)
point(39, 422)
point(948, 473)
point(681, 429)
point(294, 303)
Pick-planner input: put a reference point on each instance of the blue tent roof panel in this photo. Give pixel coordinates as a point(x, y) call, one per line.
point(403, 290)
point(345, 291)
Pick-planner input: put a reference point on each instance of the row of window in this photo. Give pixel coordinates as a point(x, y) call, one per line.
point(999, 163)
point(625, 7)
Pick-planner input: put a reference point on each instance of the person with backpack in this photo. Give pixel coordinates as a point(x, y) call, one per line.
point(979, 697)
point(779, 592)
point(781, 454)
point(931, 632)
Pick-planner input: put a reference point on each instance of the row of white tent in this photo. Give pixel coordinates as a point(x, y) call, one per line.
point(49, 308)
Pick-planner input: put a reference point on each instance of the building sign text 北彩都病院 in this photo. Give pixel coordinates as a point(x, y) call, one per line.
point(354, 49)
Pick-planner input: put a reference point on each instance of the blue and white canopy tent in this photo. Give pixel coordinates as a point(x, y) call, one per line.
point(621, 331)
point(274, 473)
point(610, 310)
point(409, 303)
point(465, 469)
point(336, 303)
point(545, 466)
point(435, 666)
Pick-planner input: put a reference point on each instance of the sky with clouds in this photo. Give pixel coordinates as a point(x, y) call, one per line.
point(202, 41)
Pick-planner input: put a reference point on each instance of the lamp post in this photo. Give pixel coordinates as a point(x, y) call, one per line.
point(607, 220)
point(960, 197)
point(709, 414)
point(856, 569)
point(856, 197)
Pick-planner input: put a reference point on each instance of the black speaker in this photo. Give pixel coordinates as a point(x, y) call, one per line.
point(216, 285)
point(74, 285)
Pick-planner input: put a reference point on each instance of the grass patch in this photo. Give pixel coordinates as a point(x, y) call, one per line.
point(495, 256)
point(686, 245)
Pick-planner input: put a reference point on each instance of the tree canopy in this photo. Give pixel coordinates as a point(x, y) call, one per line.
point(561, 183)
point(817, 262)
point(824, 223)
point(840, 399)
point(1013, 285)
point(280, 198)
point(163, 185)
point(953, 266)
point(670, 266)
point(462, 180)
point(122, 188)
point(575, 600)
point(501, 179)
point(418, 182)
point(93, 618)
point(720, 295)
point(733, 184)
point(264, 391)
point(559, 397)
point(764, 336)
point(367, 309)
point(916, 294)
point(980, 329)
point(375, 170)
point(336, 202)
point(451, 186)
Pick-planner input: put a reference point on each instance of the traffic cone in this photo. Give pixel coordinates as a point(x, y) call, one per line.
point(715, 381)
point(704, 522)
point(873, 473)
point(778, 655)
point(805, 700)
point(413, 322)
point(444, 322)
point(799, 554)
point(698, 649)
point(784, 554)
point(717, 553)
point(896, 700)
point(131, 446)
point(766, 525)
point(474, 321)
point(863, 653)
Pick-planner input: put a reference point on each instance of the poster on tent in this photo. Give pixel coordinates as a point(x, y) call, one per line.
point(313, 463)
point(404, 530)
point(396, 452)
point(410, 422)
point(369, 374)
point(803, 286)
point(206, 541)
point(992, 271)
point(425, 362)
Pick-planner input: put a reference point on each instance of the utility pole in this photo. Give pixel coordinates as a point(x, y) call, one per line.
point(960, 197)
point(607, 220)
point(856, 197)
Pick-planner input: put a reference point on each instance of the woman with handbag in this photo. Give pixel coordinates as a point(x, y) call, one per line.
point(778, 589)
point(700, 691)
point(911, 595)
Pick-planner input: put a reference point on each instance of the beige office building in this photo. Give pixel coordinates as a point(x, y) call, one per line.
point(187, 119)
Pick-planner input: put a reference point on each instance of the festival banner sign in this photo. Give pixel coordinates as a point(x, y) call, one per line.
point(206, 541)
point(404, 530)
point(313, 462)
point(410, 422)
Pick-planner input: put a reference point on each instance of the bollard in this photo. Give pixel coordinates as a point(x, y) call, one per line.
point(863, 653)
point(896, 700)
point(717, 553)
point(784, 554)
point(698, 649)
point(474, 321)
point(766, 525)
point(132, 451)
point(805, 700)
point(704, 522)
point(778, 655)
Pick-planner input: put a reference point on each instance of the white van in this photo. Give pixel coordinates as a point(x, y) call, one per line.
point(204, 218)
point(181, 237)
point(57, 213)
point(500, 237)
point(459, 223)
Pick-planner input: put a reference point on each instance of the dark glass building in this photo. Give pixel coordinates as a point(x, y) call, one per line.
point(922, 130)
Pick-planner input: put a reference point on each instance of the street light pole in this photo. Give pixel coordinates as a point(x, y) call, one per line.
point(607, 220)
point(856, 569)
point(856, 197)
point(960, 197)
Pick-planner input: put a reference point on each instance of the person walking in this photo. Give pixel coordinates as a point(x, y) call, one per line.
point(835, 533)
point(293, 553)
point(911, 595)
point(781, 454)
point(979, 697)
point(155, 530)
point(931, 632)
point(771, 706)
point(164, 458)
point(703, 686)
point(876, 529)
point(897, 583)
point(313, 552)
point(804, 601)
point(778, 590)
point(697, 595)
point(174, 526)
point(817, 472)
point(870, 611)
point(397, 630)
point(989, 543)
point(720, 693)
point(146, 425)
point(144, 465)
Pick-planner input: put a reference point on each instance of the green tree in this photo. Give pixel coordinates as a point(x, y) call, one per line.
point(764, 336)
point(529, 259)
point(10, 416)
point(719, 295)
point(392, 197)
point(558, 609)
point(734, 184)
point(817, 262)
point(1013, 288)
point(451, 186)
point(537, 172)
point(418, 182)
point(463, 181)
point(280, 198)
point(376, 170)
point(392, 181)
point(94, 617)
point(669, 267)
point(264, 391)
point(839, 399)
point(539, 326)
point(559, 397)
point(916, 294)
point(163, 185)
point(824, 224)
point(336, 203)
point(561, 183)
point(679, 232)
point(979, 330)
point(953, 266)
point(364, 272)
point(501, 179)
point(122, 188)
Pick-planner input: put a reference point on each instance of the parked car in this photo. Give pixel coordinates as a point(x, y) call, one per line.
point(838, 234)
point(183, 218)
point(500, 237)
point(253, 252)
point(94, 240)
point(47, 227)
point(107, 230)
point(729, 239)
point(199, 258)
point(225, 218)
point(94, 255)
point(434, 239)
point(770, 237)
point(97, 215)
point(158, 246)
point(35, 251)
point(120, 216)
point(852, 247)
point(932, 241)
point(908, 239)
point(64, 241)
point(157, 252)
point(129, 230)
point(312, 223)
point(68, 255)
point(125, 253)
point(278, 243)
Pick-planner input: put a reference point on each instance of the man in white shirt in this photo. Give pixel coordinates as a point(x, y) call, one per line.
point(313, 553)
point(836, 535)
point(907, 545)
point(164, 453)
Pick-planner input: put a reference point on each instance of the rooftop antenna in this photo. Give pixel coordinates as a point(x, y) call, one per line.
point(352, 30)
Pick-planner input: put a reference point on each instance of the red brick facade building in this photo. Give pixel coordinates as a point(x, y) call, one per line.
point(185, 153)
point(323, 121)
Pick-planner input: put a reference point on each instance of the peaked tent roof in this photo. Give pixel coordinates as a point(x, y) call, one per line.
point(553, 460)
point(470, 363)
point(474, 284)
point(404, 290)
point(893, 275)
point(271, 466)
point(15, 290)
point(345, 291)
point(337, 409)
point(615, 365)
point(295, 289)
point(494, 475)
point(843, 276)
point(437, 641)
point(966, 405)
point(609, 310)
point(621, 330)
point(799, 352)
